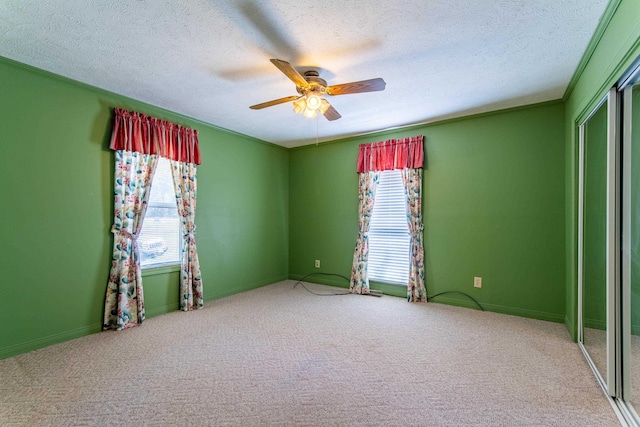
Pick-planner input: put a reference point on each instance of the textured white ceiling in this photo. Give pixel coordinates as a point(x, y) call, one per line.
point(209, 59)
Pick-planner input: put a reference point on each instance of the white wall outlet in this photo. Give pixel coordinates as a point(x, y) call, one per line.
point(317, 263)
point(477, 282)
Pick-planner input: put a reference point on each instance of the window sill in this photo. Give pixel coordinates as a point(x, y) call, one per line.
point(388, 283)
point(389, 288)
point(160, 269)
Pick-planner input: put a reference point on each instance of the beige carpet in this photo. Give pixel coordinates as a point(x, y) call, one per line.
point(281, 356)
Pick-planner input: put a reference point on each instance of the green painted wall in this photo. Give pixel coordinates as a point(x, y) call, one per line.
point(55, 221)
point(493, 207)
point(614, 48)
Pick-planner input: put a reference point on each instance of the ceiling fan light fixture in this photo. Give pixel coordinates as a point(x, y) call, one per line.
point(309, 105)
point(313, 102)
point(299, 105)
point(309, 113)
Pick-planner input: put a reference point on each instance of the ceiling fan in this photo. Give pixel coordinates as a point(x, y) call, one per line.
point(311, 88)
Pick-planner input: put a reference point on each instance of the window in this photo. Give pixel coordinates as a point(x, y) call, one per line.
point(388, 232)
point(159, 241)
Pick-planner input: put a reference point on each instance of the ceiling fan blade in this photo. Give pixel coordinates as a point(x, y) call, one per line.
point(290, 72)
point(371, 85)
point(331, 114)
point(274, 102)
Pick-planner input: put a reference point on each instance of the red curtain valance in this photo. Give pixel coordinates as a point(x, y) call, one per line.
point(406, 153)
point(137, 132)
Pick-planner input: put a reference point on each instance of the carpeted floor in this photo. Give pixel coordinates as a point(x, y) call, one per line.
point(282, 356)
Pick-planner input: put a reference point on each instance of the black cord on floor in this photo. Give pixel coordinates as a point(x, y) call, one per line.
point(299, 282)
point(456, 292)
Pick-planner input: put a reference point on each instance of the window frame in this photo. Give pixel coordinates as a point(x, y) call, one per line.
point(394, 235)
point(162, 266)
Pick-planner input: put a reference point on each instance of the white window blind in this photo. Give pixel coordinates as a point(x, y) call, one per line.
point(159, 240)
point(388, 232)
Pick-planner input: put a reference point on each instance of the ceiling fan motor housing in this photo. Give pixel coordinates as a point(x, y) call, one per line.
point(317, 86)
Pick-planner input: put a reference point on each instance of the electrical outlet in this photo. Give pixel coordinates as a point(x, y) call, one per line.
point(477, 282)
point(317, 263)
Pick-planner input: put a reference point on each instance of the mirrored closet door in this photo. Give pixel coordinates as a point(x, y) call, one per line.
point(630, 117)
point(596, 327)
point(609, 243)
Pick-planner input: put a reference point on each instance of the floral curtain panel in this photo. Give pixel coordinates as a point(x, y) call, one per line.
point(407, 155)
point(412, 179)
point(185, 185)
point(124, 303)
point(359, 280)
point(138, 141)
